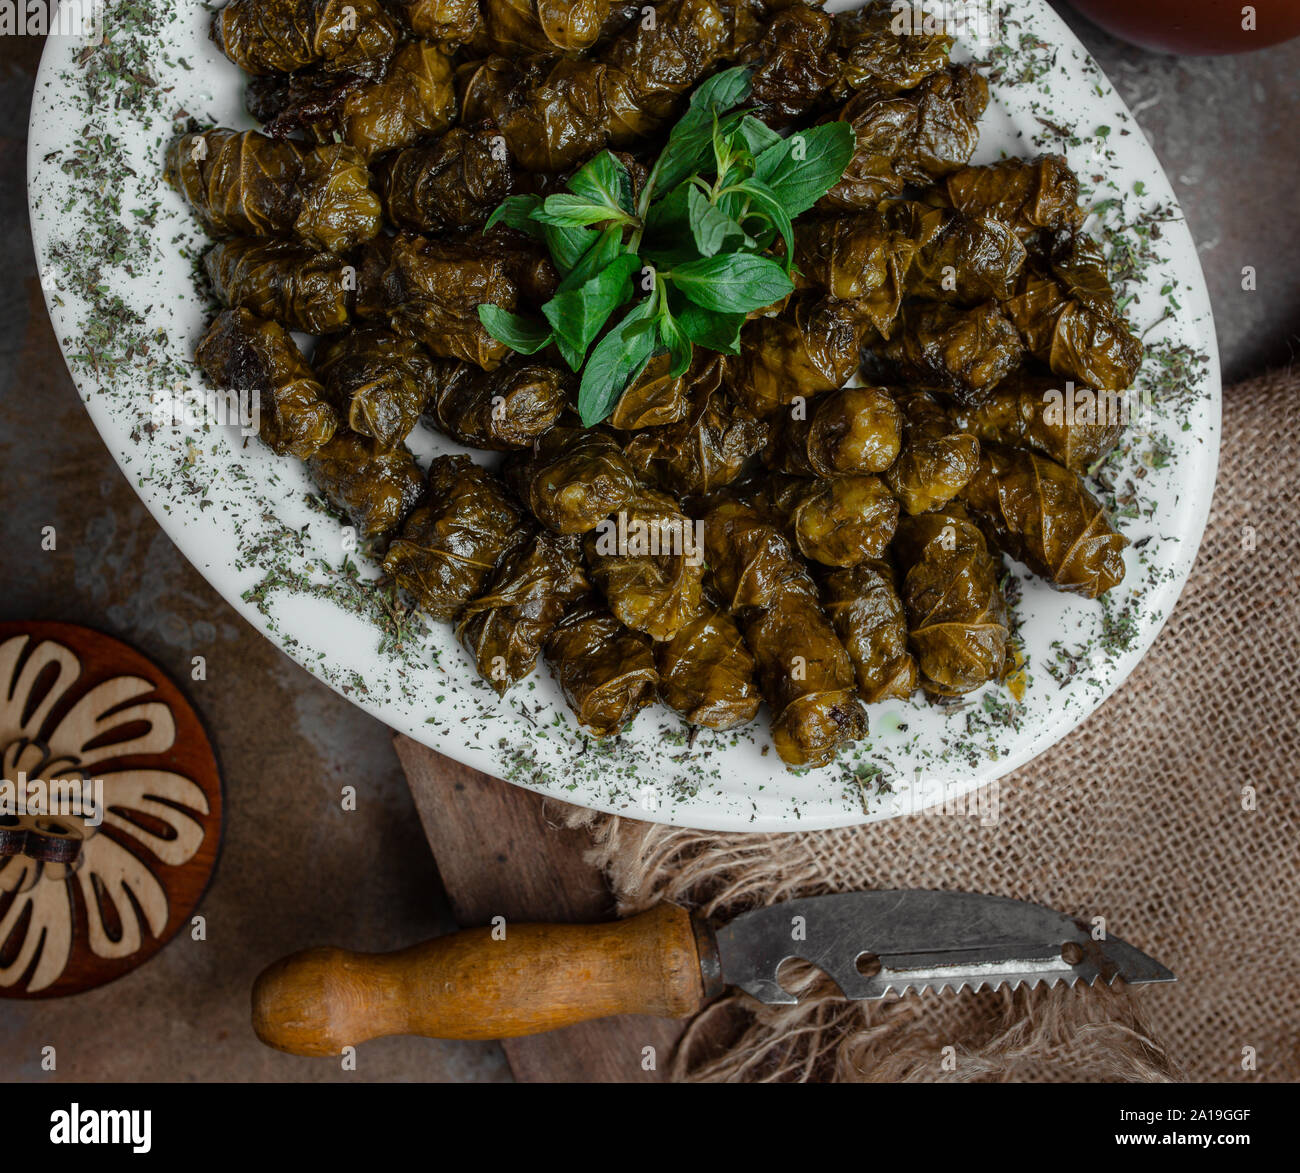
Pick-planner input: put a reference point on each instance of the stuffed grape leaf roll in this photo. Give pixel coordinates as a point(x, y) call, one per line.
point(937, 459)
point(606, 671)
point(378, 381)
point(1025, 194)
point(279, 36)
point(873, 54)
point(498, 410)
point(963, 353)
point(242, 183)
point(295, 286)
point(838, 522)
point(842, 433)
point(959, 259)
point(574, 478)
point(648, 563)
point(515, 27)
point(956, 614)
point(243, 353)
point(1041, 513)
point(450, 21)
point(813, 345)
point(913, 137)
point(452, 542)
point(456, 182)
point(706, 673)
point(705, 450)
point(1075, 426)
point(375, 488)
point(863, 606)
point(1065, 310)
point(505, 628)
point(793, 65)
point(862, 258)
point(430, 290)
point(805, 674)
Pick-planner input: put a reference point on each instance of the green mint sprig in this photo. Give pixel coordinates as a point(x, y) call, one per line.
point(687, 260)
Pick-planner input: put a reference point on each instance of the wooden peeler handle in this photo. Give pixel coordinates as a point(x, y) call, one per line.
point(468, 985)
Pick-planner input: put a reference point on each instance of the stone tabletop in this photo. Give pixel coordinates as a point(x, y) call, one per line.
point(297, 870)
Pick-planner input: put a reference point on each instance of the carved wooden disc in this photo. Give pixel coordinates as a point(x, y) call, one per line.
point(110, 809)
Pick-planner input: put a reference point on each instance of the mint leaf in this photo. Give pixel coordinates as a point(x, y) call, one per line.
point(757, 136)
point(619, 358)
point(678, 344)
point(517, 212)
point(733, 283)
point(690, 142)
point(578, 315)
point(568, 245)
point(711, 329)
point(521, 334)
point(608, 245)
point(711, 228)
point(763, 201)
point(604, 180)
point(564, 210)
point(803, 168)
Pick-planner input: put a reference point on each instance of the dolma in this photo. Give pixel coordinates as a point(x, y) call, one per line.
point(242, 183)
point(295, 286)
point(913, 137)
point(640, 82)
point(456, 182)
point(805, 674)
point(1065, 310)
point(1075, 427)
point(1025, 194)
point(279, 36)
point(243, 353)
point(430, 290)
point(1040, 512)
point(705, 450)
point(963, 353)
point(498, 410)
point(937, 459)
point(863, 606)
point(377, 381)
point(838, 522)
point(956, 615)
point(489, 89)
point(449, 546)
point(657, 397)
point(450, 21)
point(793, 65)
point(706, 673)
point(861, 258)
point(873, 54)
point(842, 433)
point(375, 488)
point(504, 628)
point(574, 478)
point(513, 27)
point(648, 564)
point(607, 672)
point(813, 345)
point(959, 259)
point(417, 98)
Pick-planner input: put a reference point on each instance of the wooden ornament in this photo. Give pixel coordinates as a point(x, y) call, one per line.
point(110, 809)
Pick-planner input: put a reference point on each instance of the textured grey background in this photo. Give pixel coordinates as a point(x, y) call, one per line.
point(296, 871)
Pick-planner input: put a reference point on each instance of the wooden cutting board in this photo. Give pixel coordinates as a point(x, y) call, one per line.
point(500, 855)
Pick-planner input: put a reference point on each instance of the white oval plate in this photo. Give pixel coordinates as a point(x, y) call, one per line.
point(116, 276)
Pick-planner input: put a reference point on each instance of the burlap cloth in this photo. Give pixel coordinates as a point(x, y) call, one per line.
point(1172, 812)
